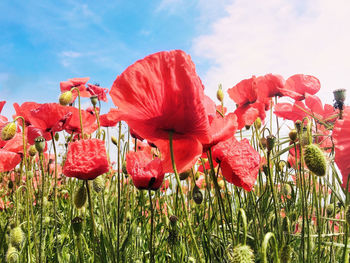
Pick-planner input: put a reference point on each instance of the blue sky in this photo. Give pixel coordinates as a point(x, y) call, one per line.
point(45, 42)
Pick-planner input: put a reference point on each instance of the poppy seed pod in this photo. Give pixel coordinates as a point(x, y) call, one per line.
point(241, 254)
point(40, 144)
point(94, 100)
point(12, 255)
point(98, 184)
point(270, 142)
point(220, 94)
point(66, 98)
point(32, 150)
point(9, 131)
point(263, 142)
point(16, 237)
point(315, 160)
point(80, 197)
point(77, 224)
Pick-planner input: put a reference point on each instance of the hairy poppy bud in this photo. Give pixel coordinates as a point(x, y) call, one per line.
point(293, 135)
point(298, 124)
point(9, 131)
point(339, 95)
point(114, 140)
point(94, 100)
point(173, 219)
point(32, 151)
point(80, 197)
point(330, 209)
point(98, 184)
point(57, 136)
point(315, 160)
point(66, 98)
point(77, 224)
point(40, 144)
point(258, 123)
point(221, 183)
point(16, 237)
point(241, 254)
point(197, 195)
point(285, 253)
point(12, 255)
point(270, 142)
point(220, 94)
point(185, 174)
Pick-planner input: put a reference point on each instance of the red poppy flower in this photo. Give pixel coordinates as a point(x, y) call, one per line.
point(110, 119)
point(298, 85)
point(8, 160)
point(341, 138)
point(161, 94)
point(50, 117)
point(25, 111)
point(86, 159)
point(146, 173)
point(239, 162)
point(270, 86)
point(291, 112)
point(98, 91)
point(78, 83)
point(34, 132)
point(88, 119)
point(2, 103)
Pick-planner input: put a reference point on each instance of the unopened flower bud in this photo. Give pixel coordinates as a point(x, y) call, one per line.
point(40, 144)
point(114, 140)
point(270, 142)
point(298, 125)
point(315, 160)
point(339, 95)
point(80, 197)
point(258, 123)
point(98, 184)
point(12, 255)
point(220, 94)
point(16, 237)
point(32, 151)
point(66, 98)
point(330, 209)
point(173, 219)
point(77, 224)
point(263, 142)
point(197, 195)
point(9, 131)
point(293, 135)
point(57, 136)
point(287, 189)
point(94, 100)
point(241, 254)
point(221, 183)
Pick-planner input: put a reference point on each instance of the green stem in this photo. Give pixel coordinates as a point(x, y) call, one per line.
point(93, 228)
point(80, 117)
point(264, 246)
point(55, 196)
point(151, 235)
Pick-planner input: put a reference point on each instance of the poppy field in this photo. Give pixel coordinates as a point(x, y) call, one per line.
point(169, 174)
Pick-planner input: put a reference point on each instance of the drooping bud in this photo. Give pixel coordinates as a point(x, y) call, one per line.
point(66, 98)
point(315, 160)
point(114, 140)
point(9, 131)
point(220, 94)
point(270, 142)
point(241, 254)
point(12, 255)
point(98, 184)
point(94, 100)
point(40, 144)
point(16, 237)
point(32, 151)
point(293, 135)
point(184, 175)
point(330, 209)
point(197, 195)
point(77, 224)
point(80, 197)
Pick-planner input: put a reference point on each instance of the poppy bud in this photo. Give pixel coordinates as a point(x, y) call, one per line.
point(32, 150)
point(40, 144)
point(77, 224)
point(315, 160)
point(98, 184)
point(94, 100)
point(263, 142)
point(258, 123)
point(287, 189)
point(125, 171)
point(9, 131)
point(247, 127)
point(197, 195)
point(285, 253)
point(339, 95)
point(347, 215)
point(293, 135)
point(12, 255)
point(16, 237)
point(57, 136)
point(30, 174)
point(66, 98)
point(241, 254)
point(330, 209)
point(114, 140)
point(10, 185)
point(80, 197)
point(184, 175)
point(221, 183)
point(270, 142)
point(220, 94)
point(298, 124)
point(173, 219)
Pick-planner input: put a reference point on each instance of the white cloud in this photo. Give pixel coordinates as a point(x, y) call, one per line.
point(70, 54)
point(278, 36)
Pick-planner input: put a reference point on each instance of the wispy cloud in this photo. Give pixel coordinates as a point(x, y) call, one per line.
point(277, 36)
